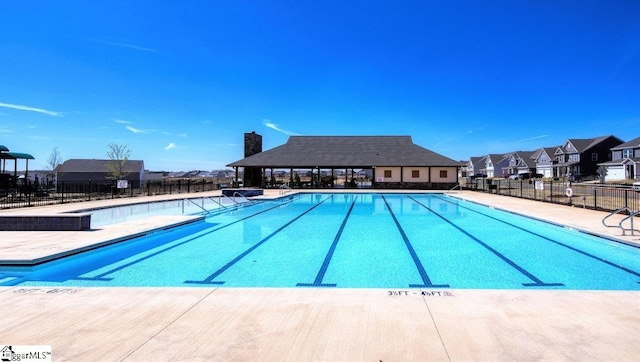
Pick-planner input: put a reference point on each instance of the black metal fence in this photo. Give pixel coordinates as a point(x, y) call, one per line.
point(34, 194)
point(590, 196)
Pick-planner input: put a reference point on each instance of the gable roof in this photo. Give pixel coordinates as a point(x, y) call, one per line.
point(87, 165)
point(634, 143)
point(346, 151)
point(582, 145)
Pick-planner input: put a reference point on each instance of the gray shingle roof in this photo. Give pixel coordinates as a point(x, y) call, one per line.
point(346, 151)
point(89, 165)
point(634, 143)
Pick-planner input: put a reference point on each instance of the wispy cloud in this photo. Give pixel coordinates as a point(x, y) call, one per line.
point(274, 126)
point(125, 45)
point(170, 146)
point(5, 130)
point(122, 121)
point(531, 138)
point(31, 109)
point(134, 130)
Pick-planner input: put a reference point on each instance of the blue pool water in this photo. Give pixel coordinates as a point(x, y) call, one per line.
point(353, 241)
point(113, 215)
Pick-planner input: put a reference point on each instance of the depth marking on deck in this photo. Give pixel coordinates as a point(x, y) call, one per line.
point(327, 259)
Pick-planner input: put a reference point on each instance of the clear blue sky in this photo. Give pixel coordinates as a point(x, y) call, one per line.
point(180, 82)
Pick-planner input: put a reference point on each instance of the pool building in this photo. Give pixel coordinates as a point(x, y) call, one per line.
point(391, 161)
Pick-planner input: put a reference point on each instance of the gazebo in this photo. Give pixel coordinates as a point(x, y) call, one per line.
point(15, 156)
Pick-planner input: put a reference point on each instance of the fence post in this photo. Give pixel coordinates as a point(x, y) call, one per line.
point(89, 189)
point(551, 191)
point(626, 198)
point(189, 186)
point(520, 188)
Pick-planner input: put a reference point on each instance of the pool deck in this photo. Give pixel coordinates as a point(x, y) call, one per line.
point(293, 324)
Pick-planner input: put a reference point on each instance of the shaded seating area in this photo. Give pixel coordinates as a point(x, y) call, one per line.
point(10, 184)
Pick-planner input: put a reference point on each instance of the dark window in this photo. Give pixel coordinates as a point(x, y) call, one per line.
point(594, 157)
point(415, 173)
point(387, 173)
point(443, 173)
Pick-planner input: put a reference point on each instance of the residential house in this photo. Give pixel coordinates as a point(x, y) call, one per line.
point(97, 171)
point(583, 156)
point(625, 161)
point(544, 160)
point(496, 165)
point(476, 167)
point(520, 162)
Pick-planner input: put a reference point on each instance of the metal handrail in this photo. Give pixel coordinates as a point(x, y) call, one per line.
point(242, 196)
point(630, 217)
point(193, 202)
point(613, 213)
point(454, 187)
point(218, 202)
point(284, 189)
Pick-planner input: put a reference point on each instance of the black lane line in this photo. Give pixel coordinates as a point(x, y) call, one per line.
point(327, 259)
point(426, 282)
point(548, 239)
point(101, 277)
point(536, 282)
point(209, 279)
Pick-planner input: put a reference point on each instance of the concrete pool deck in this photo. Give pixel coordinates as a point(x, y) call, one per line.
point(274, 324)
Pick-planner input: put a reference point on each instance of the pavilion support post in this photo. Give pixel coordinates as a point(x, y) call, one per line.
point(235, 179)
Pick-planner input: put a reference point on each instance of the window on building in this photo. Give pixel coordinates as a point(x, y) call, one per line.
point(628, 153)
point(443, 173)
point(387, 173)
point(594, 157)
point(415, 173)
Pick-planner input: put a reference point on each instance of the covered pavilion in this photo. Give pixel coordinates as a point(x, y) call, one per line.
point(14, 156)
point(392, 162)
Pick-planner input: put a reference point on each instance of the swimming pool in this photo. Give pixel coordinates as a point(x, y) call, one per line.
point(187, 206)
point(371, 240)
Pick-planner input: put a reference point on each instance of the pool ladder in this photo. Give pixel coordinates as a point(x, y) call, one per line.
point(629, 217)
point(284, 189)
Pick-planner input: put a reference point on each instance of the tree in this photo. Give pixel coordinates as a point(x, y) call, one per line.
point(54, 160)
point(118, 156)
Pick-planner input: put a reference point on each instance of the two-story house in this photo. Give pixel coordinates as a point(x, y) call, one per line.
point(625, 161)
point(544, 159)
point(582, 156)
point(495, 165)
point(476, 166)
point(519, 162)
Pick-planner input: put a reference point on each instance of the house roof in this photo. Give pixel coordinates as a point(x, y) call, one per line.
point(346, 151)
point(634, 143)
point(90, 165)
point(622, 161)
point(582, 145)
